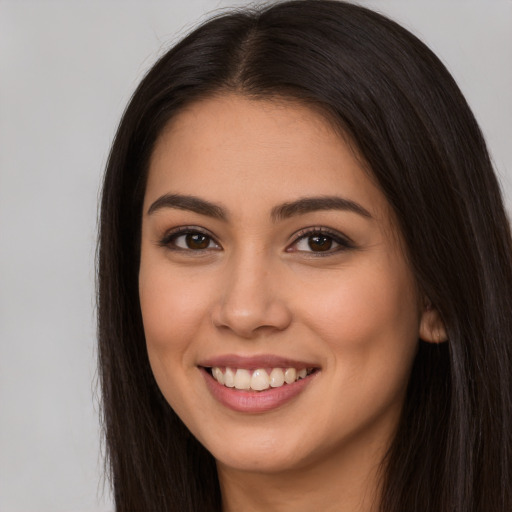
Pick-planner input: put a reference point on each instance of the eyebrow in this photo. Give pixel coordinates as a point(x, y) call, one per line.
point(280, 212)
point(190, 203)
point(313, 204)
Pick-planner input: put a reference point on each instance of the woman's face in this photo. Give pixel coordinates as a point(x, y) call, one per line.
point(270, 262)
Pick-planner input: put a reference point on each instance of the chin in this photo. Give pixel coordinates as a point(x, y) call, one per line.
point(259, 459)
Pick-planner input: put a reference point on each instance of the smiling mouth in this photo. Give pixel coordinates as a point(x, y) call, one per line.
point(259, 379)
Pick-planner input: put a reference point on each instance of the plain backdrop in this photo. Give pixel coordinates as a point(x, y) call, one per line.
point(67, 69)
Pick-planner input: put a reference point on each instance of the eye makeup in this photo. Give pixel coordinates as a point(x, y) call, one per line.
point(317, 241)
point(320, 241)
point(189, 238)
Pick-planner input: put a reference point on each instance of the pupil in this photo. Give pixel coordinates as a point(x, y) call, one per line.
point(320, 243)
point(197, 241)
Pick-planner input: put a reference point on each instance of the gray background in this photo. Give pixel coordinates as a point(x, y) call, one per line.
point(67, 69)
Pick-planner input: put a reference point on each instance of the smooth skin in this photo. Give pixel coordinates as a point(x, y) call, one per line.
point(331, 287)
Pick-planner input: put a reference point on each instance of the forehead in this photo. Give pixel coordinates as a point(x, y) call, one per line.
point(229, 149)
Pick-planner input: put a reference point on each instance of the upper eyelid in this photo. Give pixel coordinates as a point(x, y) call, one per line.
point(305, 232)
point(293, 239)
point(188, 229)
point(343, 242)
point(184, 230)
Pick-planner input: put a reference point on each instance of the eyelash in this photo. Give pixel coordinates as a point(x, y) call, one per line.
point(343, 243)
point(169, 239)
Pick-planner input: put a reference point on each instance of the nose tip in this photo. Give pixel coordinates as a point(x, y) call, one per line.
point(250, 306)
point(248, 321)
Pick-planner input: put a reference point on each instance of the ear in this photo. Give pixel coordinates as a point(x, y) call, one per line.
point(432, 329)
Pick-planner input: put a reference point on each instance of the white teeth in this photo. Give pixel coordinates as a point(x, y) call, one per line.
point(218, 375)
point(276, 378)
point(242, 379)
point(290, 375)
point(229, 378)
point(258, 380)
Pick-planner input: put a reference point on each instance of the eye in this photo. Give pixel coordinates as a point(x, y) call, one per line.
point(186, 239)
point(320, 241)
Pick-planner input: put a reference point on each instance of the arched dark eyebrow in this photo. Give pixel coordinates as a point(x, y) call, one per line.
point(280, 212)
point(191, 203)
point(313, 204)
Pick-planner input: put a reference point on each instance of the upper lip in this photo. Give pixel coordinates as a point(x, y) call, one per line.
point(254, 362)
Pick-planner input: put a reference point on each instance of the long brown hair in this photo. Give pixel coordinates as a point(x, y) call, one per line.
point(401, 108)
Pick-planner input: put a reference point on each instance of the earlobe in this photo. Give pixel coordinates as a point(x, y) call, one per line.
point(432, 328)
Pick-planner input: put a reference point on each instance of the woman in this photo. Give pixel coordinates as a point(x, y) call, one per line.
point(304, 276)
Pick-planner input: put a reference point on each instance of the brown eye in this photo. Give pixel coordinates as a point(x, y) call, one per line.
point(189, 240)
point(319, 243)
point(197, 241)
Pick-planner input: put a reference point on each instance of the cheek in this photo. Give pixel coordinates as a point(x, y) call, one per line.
point(174, 304)
point(173, 312)
point(376, 296)
point(370, 321)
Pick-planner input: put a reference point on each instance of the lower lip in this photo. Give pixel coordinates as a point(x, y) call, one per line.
point(255, 401)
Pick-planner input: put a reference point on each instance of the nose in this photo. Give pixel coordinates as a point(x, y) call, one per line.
point(252, 300)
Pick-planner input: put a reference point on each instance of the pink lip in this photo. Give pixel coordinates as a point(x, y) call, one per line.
point(255, 401)
point(255, 362)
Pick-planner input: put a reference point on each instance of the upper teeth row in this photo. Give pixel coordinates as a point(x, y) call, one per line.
point(259, 380)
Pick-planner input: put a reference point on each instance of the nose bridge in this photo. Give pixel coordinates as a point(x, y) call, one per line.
point(250, 300)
